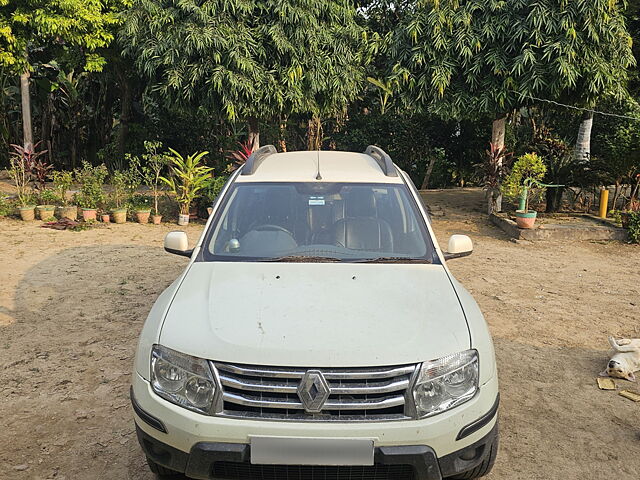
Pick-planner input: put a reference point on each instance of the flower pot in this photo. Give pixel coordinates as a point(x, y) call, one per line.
point(183, 219)
point(120, 215)
point(105, 218)
point(209, 210)
point(156, 219)
point(89, 214)
point(45, 212)
point(70, 212)
point(143, 216)
point(526, 219)
point(28, 213)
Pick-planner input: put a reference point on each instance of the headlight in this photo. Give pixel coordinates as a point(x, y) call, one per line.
point(445, 383)
point(184, 380)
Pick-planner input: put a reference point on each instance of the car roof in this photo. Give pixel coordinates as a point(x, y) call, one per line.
point(334, 166)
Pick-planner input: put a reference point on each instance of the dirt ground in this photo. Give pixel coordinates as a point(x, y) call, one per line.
point(72, 305)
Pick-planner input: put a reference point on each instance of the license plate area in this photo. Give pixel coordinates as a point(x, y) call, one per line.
point(311, 451)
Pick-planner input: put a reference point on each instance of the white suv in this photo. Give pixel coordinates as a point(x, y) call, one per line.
point(317, 333)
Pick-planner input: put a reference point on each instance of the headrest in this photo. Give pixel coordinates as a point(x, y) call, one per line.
point(360, 202)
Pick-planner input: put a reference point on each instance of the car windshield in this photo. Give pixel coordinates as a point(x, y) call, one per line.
point(300, 222)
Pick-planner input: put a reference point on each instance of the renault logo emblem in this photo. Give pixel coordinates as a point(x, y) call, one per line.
point(313, 391)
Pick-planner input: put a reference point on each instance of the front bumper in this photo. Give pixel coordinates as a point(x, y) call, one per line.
point(432, 448)
point(208, 460)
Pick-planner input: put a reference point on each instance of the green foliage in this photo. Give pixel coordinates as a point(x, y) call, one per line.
point(140, 203)
point(6, 207)
point(91, 180)
point(62, 181)
point(478, 56)
point(86, 24)
point(526, 174)
point(20, 173)
point(119, 185)
point(212, 188)
point(48, 197)
point(188, 177)
point(634, 227)
point(155, 162)
point(254, 58)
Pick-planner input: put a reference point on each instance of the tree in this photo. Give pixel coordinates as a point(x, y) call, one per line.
point(31, 24)
point(252, 60)
point(465, 58)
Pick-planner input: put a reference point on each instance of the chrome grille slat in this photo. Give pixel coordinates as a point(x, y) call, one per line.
point(279, 387)
point(329, 373)
point(355, 394)
point(268, 402)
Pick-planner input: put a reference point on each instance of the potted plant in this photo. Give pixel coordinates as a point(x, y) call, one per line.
point(212, 188)
point(118, 182)
point(91, 193)
point(141, 206)
point(47, 200)
point(151, 172)
point(20, 171)
point(62, 182)
point(187, 177)
point(524, 182)
point(41, 170)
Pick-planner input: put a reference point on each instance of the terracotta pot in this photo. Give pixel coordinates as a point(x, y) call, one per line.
point(119, 216)
point(28, 213)
point(209, 210)
point(105, 218)
point(156, 219)
point(143, 216)
point(526, 219)
point(89, 214)
point(183, 219)
point(70, 212)
point(45, 212)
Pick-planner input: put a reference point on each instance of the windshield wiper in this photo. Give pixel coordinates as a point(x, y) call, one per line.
point(394, 260)
point(301, 259)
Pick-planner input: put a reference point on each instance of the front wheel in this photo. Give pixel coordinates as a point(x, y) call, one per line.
point(485, 466)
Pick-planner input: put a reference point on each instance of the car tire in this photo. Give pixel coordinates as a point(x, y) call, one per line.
point(485, 466)
point(160, 471)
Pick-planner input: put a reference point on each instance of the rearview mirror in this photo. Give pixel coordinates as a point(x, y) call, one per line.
point(177, 243)
point(459, 246)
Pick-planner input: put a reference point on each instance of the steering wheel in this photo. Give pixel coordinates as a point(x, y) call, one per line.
point(272, 228)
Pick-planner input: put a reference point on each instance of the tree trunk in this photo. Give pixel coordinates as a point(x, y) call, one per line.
point(427, 175)
point(314, 133)
point(554, 199)
point(27, 132)
point(254, 133)
point(497, 138)
point(583, 142)
point(282, 140)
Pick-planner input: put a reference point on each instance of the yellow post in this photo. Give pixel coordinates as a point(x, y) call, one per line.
point(604, 201)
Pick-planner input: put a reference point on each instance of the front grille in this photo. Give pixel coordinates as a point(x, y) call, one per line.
point(355, 394)
point(246, 471)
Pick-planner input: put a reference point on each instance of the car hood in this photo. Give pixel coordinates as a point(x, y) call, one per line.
point(316, 315)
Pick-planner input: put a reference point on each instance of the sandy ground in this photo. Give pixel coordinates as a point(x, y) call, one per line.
point(72, 305)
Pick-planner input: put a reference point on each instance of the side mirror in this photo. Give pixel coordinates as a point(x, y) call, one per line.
point(177, 243)
point(459, 246)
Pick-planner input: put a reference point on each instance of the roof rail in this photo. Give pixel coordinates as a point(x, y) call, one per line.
point(256, 158)
point(383, 159)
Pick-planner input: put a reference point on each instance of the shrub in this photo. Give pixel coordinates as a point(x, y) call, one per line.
point(634, 227)
point(62, 182)
point(188, 178)
point(524, 180)
point(91, 181)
